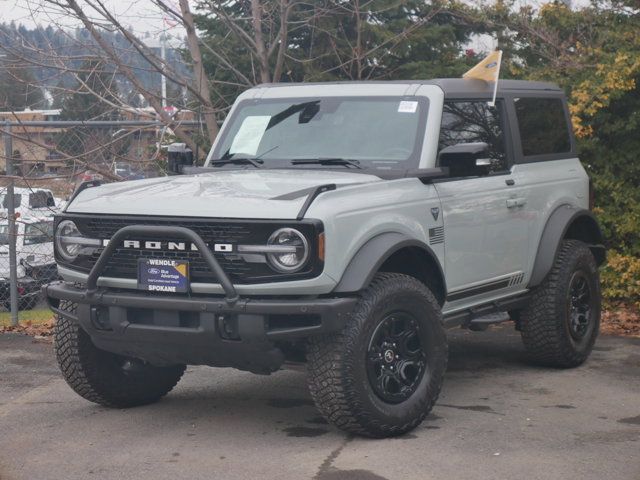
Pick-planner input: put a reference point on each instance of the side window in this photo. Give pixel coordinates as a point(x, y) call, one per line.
point(35, 233)
point(474, 121)
point(543, 126)
point(38, 199)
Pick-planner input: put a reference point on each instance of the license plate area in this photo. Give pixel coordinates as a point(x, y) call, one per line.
point(163, 275)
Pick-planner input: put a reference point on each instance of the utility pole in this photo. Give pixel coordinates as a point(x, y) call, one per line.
point(11, 213)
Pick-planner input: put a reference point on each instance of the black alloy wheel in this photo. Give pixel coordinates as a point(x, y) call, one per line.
point(580, 305)
point(395, 360)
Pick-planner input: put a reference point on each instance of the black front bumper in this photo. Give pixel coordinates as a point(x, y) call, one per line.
point(203, 330)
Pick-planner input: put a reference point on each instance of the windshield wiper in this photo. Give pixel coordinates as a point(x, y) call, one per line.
point(256, 162)
point(327, 161)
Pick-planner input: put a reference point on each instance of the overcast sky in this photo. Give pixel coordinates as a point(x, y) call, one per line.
point(141, 15)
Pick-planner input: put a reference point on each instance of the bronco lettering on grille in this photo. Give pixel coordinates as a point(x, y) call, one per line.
point(173, 246)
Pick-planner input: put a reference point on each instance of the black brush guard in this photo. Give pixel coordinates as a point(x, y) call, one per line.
point(213, 330)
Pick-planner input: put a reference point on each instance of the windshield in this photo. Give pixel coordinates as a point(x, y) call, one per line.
point(375, 132)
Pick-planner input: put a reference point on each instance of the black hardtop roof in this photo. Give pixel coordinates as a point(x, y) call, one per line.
point(464, 85)
point(454, 87)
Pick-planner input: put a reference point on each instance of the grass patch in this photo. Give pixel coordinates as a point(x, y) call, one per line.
point(37, 316)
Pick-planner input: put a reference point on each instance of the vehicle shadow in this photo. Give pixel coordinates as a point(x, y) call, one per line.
point(500, 347)
point(228, 399)
point(219, 399)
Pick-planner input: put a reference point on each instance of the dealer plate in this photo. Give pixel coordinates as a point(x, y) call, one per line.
point(163, 275)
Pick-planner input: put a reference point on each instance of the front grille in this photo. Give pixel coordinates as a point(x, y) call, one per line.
point(123, 263)
point(220, 232)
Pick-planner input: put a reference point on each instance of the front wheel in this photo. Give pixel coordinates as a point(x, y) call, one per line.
point(106, 378)
point(382, 374)
point(561, 323)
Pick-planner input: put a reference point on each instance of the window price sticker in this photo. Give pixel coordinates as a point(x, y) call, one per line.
point(407, 107)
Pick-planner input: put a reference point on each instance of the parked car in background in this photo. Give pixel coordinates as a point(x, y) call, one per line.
point(126, 171)
point(86, 177)
point(30, 202)
point(34, 256)
point(122, 169)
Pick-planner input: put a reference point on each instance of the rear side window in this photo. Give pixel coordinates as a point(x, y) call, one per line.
point(475, 121)
point(543, 126)
point(38, 199)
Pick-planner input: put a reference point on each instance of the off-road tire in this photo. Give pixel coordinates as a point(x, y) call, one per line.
point(337, 371)
point(99, 376)
point(545, 323)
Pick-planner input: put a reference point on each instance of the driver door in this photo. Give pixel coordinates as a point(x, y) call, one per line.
point(485, 230)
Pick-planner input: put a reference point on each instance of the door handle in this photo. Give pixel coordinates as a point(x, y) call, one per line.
point(516, 202)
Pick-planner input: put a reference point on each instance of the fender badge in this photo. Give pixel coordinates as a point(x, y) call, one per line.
point(435, 211)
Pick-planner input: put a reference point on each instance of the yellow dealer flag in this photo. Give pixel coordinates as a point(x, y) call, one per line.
point(488, 70)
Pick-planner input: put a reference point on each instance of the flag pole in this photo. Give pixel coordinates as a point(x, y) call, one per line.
point(492, 103)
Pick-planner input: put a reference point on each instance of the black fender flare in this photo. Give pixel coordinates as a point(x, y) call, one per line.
point(372, 255)
point(558, 225)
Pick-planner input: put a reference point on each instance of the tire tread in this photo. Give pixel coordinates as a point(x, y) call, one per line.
point(90, 373)
point(542, 329)
point(330, 360)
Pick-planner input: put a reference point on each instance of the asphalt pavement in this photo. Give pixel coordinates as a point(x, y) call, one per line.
point(498, 417)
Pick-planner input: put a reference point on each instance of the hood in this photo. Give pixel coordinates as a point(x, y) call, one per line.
point(265, 194)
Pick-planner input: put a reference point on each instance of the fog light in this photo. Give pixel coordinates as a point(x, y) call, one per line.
point(100, 318)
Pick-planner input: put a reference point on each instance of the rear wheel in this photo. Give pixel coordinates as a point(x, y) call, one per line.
point(381, 375)
point(106, 378)
point(562, 321)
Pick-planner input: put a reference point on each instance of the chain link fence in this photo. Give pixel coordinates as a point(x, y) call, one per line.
point(41, 163)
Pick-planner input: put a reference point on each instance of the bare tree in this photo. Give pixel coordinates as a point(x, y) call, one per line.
point(340, 39)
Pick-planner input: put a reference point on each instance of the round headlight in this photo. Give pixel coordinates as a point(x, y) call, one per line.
point(294, 250)
point(66, 232)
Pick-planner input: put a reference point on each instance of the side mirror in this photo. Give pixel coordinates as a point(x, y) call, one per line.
point(179, 156)
point(466, 159)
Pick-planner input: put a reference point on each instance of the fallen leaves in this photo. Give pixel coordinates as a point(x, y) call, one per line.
point(40, 330)
point(623, 320)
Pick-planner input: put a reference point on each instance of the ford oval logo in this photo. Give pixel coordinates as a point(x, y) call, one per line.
point(154, 271)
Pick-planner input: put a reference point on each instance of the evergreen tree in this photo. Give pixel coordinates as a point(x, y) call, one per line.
point(90, 98)
point(19, 89)
point(336, 40)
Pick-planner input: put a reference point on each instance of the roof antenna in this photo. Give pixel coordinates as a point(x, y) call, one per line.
point(488, 70)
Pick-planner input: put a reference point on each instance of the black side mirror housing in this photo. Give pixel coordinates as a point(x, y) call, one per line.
point(178, 157)
point(466, 159)
point(426, 175)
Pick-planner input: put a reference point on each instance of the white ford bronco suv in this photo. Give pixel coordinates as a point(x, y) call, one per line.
point(345, 225)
